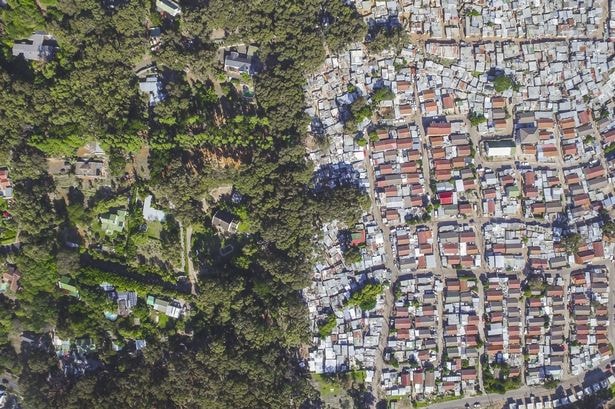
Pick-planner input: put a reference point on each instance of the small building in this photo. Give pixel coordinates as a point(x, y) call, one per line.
point(90, 150)
point(155, 34)
point(500, 148)
point(10, 280)
point(236, 63)
point(153, 88)
point(225, 222)
point(39, 47)
point(126, 301)
point(168, 7)
point(6, 187)
point(171, 309)
point(90, 169)
point(149, 213)
point(84, 346)
point(114, 222)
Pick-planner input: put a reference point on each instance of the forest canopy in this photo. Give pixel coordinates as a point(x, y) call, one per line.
point(238, 346)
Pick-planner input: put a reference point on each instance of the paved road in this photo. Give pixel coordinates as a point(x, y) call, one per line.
point(522, 393)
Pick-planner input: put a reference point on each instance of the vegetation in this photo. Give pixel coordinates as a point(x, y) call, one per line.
point(352, 255)
point(609, 228)
point(501, 382)
point(571, 242)
point(245, 322)
point(439, 399)
point(360, 110)
point(385, 37)
point(366, 297)
point(382, 94)
point(476, 118)
point(551, 383)
point(502, 83)
point(327, 327)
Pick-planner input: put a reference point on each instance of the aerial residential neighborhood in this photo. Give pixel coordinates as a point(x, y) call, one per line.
point(323, 204)
point(490, 173)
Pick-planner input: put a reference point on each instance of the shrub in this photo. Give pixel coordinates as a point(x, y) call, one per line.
point(327, 327)
point(501, 83)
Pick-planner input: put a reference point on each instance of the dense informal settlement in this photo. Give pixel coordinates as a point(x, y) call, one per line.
point(487, 147)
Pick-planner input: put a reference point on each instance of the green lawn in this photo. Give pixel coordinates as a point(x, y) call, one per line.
point(328, 387)
point(439, 399)
point(163, 320)
point(153, 230)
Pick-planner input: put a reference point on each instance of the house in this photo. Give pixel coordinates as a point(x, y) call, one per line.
point(114, 222)
point(225, 222)
point(91, 149)
point(155, 34)
point(149, 213)
point(67, 288)
point(438, 129)
point(171, 309)
point(126, 300)
point(236, 63)
point(89, 169)
point(85, 345)
point(168, 7)
point(10, 280)
point(39, 47)
point(446, 198)
point(152, 86)
point(501, 147)
point(6, 187)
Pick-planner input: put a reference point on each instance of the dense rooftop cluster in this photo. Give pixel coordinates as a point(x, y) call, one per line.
point(490, 165)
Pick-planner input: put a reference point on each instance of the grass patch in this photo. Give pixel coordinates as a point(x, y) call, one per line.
point(327, 385)
point(163, 320)
point(439, 399)
point(153, 230)
point(358, 376)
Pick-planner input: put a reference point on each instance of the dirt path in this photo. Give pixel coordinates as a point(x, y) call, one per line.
point(192, 275)
point(389, 299)
point(183, 245)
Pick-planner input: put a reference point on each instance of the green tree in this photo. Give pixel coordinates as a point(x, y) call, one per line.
point(502, 83)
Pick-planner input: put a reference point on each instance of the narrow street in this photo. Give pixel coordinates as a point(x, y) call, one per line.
point(481, 331)
point(611, 274)
point(389, 298)
point(566, 365)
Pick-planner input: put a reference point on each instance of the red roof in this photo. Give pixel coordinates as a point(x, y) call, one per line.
point(446, 198)
point(439, 129)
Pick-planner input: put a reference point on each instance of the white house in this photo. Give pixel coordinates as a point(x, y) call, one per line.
point(151, 214)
